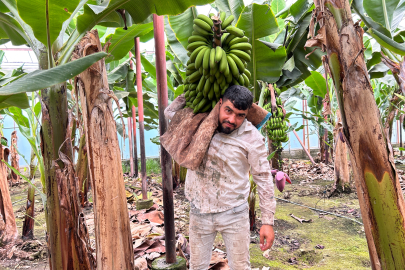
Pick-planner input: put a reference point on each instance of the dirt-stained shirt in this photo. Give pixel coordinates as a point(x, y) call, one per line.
point(222, 180)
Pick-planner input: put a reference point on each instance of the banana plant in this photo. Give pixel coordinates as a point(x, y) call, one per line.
point(27, 122)
point(381, 200)
point(44, 26)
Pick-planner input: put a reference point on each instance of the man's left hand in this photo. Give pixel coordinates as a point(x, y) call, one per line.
point(266, 233)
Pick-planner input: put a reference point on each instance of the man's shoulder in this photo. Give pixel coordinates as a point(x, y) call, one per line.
point(250, 132)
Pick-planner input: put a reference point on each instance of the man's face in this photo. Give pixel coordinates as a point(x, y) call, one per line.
point(230, 118)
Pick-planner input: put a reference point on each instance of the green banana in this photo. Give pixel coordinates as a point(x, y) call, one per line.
point(199, 58)
point(241, 80)
point(227, 22)
point(238, 62)
point(229, 77)
point(217, 91)
point(206, 107)
point(192, 46)
point(191, 66)
point(200, 85)
point(212, 79)
point(235, 31)
point(241, 54)
point(222, 16)
point(224, 37)
point(237, 40)
point(194, 77)
point(193, 56)
point(200, 31)
point(224, 89)
point(212, 58)
point(233, 66)
point(241, 46)
point(207, 87)
point(202, 24)
point(206, 19)
point(206, 60)
point(247, 73)
point(218, 54)
point(211, 93)
point(190, 71)
point(246, 79)
point(223, 64)
point(235, 82)
point(192, 39)
point(192, 87)
point(229, 38)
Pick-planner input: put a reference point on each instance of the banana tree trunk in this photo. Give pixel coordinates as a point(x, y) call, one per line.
point(398, 70)
point(380, 196)
point(8, 227)
point(68, 240)
point(28, 225)
point(274, 164)
point(113, 235)
point(82, 171)
point(342, 172)
point(15, 179)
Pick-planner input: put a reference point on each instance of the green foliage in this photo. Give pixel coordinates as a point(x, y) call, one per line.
point(123, 40)
point(46, 17)
point(230, 7)
point(259, 21)
point(41, 79)
point(317, 83)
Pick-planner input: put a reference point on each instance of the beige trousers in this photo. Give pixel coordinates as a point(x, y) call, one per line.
point(234, 228)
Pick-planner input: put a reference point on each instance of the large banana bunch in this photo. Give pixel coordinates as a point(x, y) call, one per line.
point(277, 124)
point(218, 53)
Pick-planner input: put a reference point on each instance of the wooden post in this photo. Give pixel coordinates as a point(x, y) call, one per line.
point(165, 159)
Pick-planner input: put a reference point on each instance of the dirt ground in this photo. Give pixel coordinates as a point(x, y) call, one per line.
point(321, 241)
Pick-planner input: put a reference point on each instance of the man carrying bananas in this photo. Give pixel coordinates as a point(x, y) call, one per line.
point(219, 188)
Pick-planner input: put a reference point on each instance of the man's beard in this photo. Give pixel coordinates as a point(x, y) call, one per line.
point(226, 130)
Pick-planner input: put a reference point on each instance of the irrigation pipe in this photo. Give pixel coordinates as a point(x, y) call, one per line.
point(320, 210)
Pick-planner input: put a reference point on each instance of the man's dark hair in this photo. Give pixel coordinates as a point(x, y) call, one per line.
point(240, 97)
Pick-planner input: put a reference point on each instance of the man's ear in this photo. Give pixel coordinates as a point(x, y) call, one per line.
point(220, 102)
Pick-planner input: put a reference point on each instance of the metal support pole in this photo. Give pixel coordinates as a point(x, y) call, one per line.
point(165, 159)
point(131, 159)
point(303, 146)
point(140, 115)
point(133, 109)
point(303, 122)
point(135, 146)
point(401, 120)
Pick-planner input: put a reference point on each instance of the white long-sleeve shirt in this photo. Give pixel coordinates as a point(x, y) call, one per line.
point(222, 180)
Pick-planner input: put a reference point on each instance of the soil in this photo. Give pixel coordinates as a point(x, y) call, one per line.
point(326, 242)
